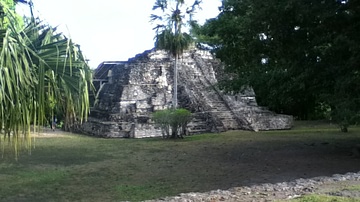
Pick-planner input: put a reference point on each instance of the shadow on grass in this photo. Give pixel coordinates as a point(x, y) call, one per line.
point(90, 169)
point(209, 162)
point(275, 159)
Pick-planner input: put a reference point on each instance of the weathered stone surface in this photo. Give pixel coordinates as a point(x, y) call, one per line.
point(138, 87)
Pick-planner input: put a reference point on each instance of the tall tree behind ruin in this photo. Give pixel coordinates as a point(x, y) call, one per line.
point(174, 16)
point(301, 57)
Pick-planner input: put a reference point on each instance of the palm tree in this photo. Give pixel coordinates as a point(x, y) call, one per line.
point(37, 67)
point(169, 36)
point(67, 75)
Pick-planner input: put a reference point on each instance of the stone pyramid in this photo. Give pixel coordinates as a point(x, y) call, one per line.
point(129, 92)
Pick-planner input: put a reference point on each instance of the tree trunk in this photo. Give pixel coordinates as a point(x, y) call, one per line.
point(344, 128)
point(175, 101)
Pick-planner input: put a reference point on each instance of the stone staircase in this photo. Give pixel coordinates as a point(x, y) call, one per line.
point(201, 84)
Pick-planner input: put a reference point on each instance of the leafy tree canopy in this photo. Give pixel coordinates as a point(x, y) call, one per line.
point(299, 56)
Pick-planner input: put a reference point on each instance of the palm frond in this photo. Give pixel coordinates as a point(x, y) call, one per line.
point(154, 17)
point(162, 4)
point(174, 43)
point(38, 65)
point(21, 1)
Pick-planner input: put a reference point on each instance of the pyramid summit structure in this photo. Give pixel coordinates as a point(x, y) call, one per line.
point(129, 92)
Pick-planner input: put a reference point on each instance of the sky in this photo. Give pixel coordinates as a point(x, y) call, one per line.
point(113, 30)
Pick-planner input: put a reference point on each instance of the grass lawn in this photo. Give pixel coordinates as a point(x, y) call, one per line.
point(80, 168)
point(324, 198)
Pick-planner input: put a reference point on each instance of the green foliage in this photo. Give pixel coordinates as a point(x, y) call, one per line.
point(297, 55)
point(162, 118)
point(175, 120)
point(10, 5)
point(169, 25)
point(346, 114)
point(174, 43)
point(67, 75)
point(169, 35)
point(40, 71)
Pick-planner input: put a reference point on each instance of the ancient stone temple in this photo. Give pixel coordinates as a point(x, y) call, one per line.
point(129, 92)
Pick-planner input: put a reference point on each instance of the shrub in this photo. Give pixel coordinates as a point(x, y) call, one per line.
point(175, 120)
point(162, 119)
point(346, 114)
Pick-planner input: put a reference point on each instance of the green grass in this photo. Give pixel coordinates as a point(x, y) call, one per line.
point(354, 188)
point(324, 198)
point(81, 168)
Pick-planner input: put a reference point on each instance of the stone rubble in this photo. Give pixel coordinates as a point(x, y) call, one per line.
point(269, 192)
